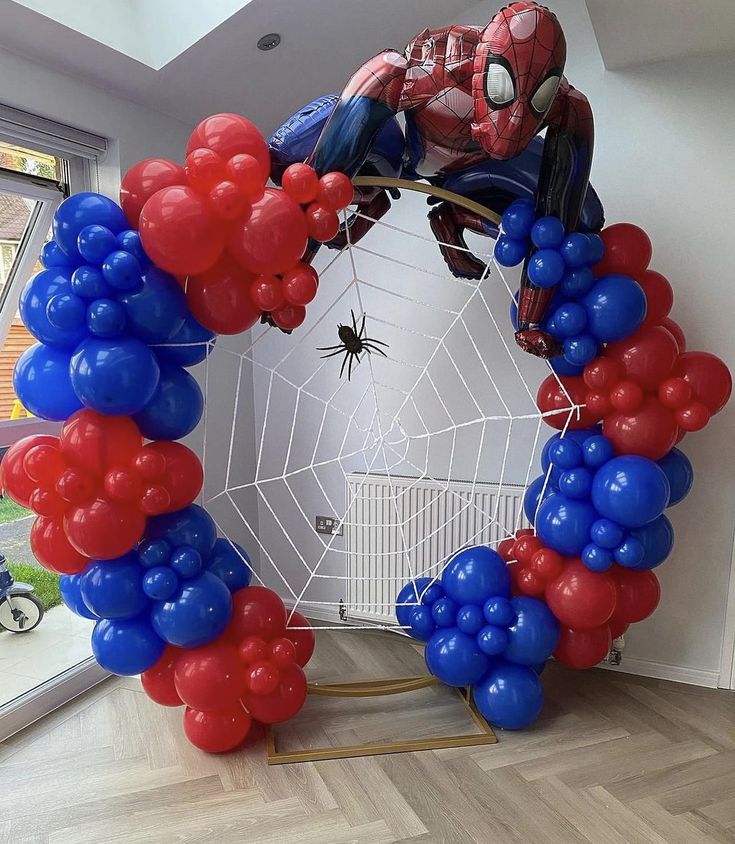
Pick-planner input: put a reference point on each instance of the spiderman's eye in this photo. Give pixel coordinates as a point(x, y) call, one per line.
point(545, 93)
point(499, 85)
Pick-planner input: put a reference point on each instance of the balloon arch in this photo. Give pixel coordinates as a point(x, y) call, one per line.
point(131, 295)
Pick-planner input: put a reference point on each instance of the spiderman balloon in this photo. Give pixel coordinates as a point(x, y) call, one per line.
point(475, 100)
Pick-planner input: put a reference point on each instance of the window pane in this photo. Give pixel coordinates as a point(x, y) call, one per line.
point(27, 161)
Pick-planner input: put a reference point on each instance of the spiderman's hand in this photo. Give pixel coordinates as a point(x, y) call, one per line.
point(448, 229)
point(373, 206)
point(537, 342)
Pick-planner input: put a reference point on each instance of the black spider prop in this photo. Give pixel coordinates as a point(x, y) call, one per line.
point(353, 343)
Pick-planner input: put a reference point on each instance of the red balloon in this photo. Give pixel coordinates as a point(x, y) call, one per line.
point(692, 417)
point(583, 648)
point(13, 477)
point(638, 593)
point(547, 564)
point(103, 530)
point(267, 292)
point(599, 403)
point(77, 487)
point(580, 598)
point(210, 677)
point(262, 678)
point(301, 183)
point(230, 134)
point(626, 396)
point(709, 378)
point(335, 191)
point(505, 548)
point(123, 485)
point(143, 180)
point(247, 174)
point(303, 638)
point(47, 502)
point(149, 464)
point(204, 168)
point(551, 397)
point(602, 373)
point(183, 475)
point(300, 284)
point(659, 296)
point(289, 317)
point(220, 298)
point(228, 200)
point(52, 549)
point(216, 732)
point(158, 681)
point(252, 649)
point(322, 222)
point(155, 500)
point(525, 547)
point(529, 583)
point(257, 611)
point(628, 250)
point(283, 652)
point(283, 703)
point(44, 463)
point(650, 431)
point(617, 627)
point(647, 357)
point(180, 232)
point(96, 443)
point(674, 392)
point(273, 238)
point(676, 332)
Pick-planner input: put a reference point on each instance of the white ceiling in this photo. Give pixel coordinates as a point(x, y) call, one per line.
point(634, 32)
point(323, 42)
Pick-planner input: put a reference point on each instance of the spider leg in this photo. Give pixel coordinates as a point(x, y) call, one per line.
point(362, 326)
point(329, 348)
point(331, 354)
point(349, 368)
point(370, 340)
point(347, 356)
point(367, 345)
point(354, 322)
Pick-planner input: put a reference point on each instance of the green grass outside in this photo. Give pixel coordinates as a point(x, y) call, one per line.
point(10, 511)
point(46, 583)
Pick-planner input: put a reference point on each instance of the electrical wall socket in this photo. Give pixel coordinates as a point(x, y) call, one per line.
point(327, 524)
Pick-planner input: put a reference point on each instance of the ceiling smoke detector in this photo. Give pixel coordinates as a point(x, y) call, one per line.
point(269, 42)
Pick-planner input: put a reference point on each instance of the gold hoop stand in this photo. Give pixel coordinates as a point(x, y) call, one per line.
point(376, 688)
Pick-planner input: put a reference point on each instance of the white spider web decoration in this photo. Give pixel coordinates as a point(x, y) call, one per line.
point(452, 406)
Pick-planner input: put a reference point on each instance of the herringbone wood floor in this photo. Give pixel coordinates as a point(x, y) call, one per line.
point(613, 760)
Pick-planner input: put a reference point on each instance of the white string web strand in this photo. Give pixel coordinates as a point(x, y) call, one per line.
point(453, 373)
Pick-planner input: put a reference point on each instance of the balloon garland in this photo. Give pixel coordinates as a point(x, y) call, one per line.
point(132, 295)
point(624, 392)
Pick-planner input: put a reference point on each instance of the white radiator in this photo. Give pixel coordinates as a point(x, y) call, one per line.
point(405, 527)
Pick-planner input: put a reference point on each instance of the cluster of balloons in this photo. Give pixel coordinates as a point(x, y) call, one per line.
point(477, 635)
point(592, 607)
point(93, 486)
point(253, 671)
point(235, 244)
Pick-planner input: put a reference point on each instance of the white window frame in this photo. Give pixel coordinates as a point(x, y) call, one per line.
point(80, 152)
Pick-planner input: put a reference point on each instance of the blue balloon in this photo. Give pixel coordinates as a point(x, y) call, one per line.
point(597, 248)
point(174, 409)
point(534, 634)
point(532, 496)
point(678, 470)
point(186, 562)
point(114, 588)
point(69, 587)
point(518, 220)
point(578, 436)
point(596, 451)
point(499, 612)
point(53, 256)
point(42, 383)
point(565, 453)
point(509, 696)
point(444, 612)
point(432, 594)
point(475, 574)
point(198, 613)
point(564, 524)
point(231, 564)
point(570, 319)
point(66, 311)
point(421, 625)
point(629, 553)
point(409, 597)
point(160, 583)
point(34, 300)
point(576, 250)
point(455, 658)
point(606, 533)
point(509, 252)
point(470, 619)
point(191, 526)
point(95, 243)
point(547, 233)
point(129, 241)
point(156, 310)
point(189, 345)
point(580, 349)
point(575, 283)
point(117, 377)
point(546, 268)
point(81, 210)
point(561, 366)
point(154, 552)
point(615, 307)
point(597, 558)
point(657, 539)
point(89, 283)
point(575, 483)
point(106, 318)
point(126, 646)
point(630, 490)
point(492, 640)
point(122, 271)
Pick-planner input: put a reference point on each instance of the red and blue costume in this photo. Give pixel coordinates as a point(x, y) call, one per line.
point(474, 100)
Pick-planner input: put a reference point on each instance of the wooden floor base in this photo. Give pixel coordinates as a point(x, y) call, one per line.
point(375, 688)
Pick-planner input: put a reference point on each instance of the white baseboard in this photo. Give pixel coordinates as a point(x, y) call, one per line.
point(665, 671)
